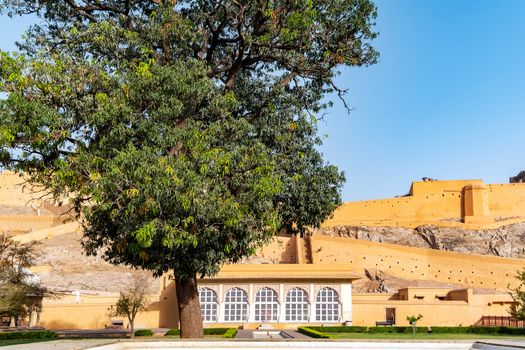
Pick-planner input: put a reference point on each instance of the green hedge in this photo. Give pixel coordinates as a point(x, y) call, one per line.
point(143, 333)
point(28, 335)
point(172, 332)
point(230, 333)
point(215, 331)
point(312, 333)
point(225, 332)
point(340, 329)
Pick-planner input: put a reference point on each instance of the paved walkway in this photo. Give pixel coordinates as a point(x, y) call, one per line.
point(499, 344)
point(61, 344)
point(289, 334)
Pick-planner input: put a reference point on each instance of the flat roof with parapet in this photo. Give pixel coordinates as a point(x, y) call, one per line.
point(309, 272)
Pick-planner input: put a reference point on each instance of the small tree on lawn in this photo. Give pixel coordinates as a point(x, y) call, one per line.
point(133, 300)
point(413, 321)
point(517, 309)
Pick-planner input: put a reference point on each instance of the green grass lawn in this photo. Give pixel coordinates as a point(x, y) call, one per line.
point(421, 336)
point(22, 341)
point(178, 337)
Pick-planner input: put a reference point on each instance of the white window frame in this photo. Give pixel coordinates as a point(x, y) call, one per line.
point(236, 305)
point(327, 306)
point(209, 304)
point(266, 305)
point(297, 308)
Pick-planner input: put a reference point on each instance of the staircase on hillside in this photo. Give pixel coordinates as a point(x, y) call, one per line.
point(304, 250)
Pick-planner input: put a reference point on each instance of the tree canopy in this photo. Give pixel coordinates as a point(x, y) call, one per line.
point(184, 131)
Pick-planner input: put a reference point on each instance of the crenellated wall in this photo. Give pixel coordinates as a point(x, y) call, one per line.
point(465, 203)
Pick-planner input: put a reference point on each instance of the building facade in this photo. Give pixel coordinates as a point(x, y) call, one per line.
point(278, 293)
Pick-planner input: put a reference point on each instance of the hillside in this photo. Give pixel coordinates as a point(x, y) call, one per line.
point(505, 241)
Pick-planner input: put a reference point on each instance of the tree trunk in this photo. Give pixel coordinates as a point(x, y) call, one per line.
point(30, 317)
point(189, 308)
point(132, 328)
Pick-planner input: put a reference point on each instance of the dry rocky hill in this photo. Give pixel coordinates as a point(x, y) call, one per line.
point(505, 241)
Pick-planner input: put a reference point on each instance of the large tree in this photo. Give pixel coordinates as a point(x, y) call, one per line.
point(183, 131)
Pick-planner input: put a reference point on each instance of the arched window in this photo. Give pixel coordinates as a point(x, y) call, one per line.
point(266, 305)
point(296, 305)
point(208, 301)
point(327, 305)
point(236, 305)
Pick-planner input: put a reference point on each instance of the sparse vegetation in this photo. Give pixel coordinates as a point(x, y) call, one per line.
point(21, 292)
point(134, 299)
point(413, 321)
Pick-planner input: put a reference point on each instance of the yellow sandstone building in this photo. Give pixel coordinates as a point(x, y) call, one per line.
point(319, 279)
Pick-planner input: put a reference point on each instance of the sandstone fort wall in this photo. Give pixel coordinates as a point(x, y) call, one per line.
point(465, 203)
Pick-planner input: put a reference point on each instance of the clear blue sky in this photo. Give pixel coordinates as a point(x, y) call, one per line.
point(446, 100)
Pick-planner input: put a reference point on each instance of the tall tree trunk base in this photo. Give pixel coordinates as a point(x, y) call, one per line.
point(189, 308)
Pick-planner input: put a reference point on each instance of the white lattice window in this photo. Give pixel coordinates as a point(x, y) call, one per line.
point(266, 305)
point(327, 305)
point(236, 305)
point(208, 301)
point(296, 306)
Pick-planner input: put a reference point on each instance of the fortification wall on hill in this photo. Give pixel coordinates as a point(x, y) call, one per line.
point(463, 203)
point(468, 270)
point(506, 200)
point(14, 190)
point(23, 209)
point(26, 223)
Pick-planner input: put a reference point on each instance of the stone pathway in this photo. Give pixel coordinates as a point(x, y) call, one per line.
point(289, 334)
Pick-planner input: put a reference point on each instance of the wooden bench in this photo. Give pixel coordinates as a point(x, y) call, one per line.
point(385, 323)
point(116, 324)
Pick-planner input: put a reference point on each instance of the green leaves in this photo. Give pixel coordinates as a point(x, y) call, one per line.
point(145, 233)
point(517, 309)
point(186, 135)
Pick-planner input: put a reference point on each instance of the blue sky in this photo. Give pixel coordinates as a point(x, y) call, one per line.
point(446, 100)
